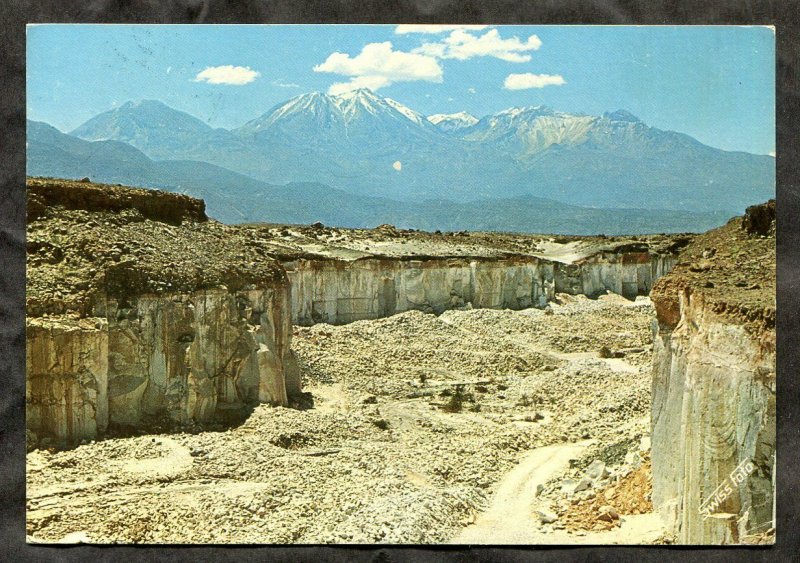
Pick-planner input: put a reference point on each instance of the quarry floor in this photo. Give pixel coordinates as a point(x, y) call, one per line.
point(458, 428)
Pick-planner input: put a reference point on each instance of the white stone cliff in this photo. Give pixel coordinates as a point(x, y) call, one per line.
point(342, 291)
point(714, 386)
point(713, 410)
point(179, 357)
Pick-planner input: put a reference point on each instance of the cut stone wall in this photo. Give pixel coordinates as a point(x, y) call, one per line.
point(183, 358)
point(339, 292)
point(713, 411)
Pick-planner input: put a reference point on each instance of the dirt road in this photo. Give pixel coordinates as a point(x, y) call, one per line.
point(510, 519)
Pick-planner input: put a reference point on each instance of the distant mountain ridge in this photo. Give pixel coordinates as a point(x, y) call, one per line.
point(355, 141)
point(453, 121)
point(235, 198)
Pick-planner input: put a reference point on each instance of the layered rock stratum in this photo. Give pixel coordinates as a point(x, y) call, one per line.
point(714, 380)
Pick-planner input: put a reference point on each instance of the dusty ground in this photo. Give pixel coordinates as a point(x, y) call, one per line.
point(421, 427)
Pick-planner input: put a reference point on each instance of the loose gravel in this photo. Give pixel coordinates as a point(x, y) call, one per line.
point(415, 420)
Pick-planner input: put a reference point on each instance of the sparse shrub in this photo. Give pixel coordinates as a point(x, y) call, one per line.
point(423, 377)
point(381, 423)
point(456, 402)
point(476, 407)
point(291, 441)
point(481, 389)
point(605, 352)
point(524, 401)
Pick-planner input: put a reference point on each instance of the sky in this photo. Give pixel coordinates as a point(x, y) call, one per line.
point(715, 83)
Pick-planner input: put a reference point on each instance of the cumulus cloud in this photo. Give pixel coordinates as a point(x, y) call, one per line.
point(227, 74)
point(529, 80)
point(397, 165)
point(462, 46)
point(433, 29)
point(379, 65)
point(371, 82)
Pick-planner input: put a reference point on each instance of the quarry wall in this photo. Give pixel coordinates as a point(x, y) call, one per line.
point(713, 412)
point(171, 359)
point(714, 386)
point(338, 291)
point(209, 355)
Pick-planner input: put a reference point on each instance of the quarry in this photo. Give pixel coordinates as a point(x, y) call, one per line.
point(310, 384)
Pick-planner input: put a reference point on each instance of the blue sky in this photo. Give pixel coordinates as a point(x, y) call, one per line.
point(714, 83)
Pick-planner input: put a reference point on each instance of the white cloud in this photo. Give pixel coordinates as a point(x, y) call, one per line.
point(432, 29)
point(227, 74)
point(397, 165)
point(530, 80)
point(462, 46)
point(379, 65)
point(371, 82)
point(471, 90)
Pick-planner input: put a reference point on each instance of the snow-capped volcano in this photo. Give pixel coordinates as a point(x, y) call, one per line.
point(453, 121)
point(529, 130)
point(341, 114)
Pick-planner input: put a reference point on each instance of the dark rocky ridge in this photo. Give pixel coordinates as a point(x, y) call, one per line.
point(146, 241)
point(165, 207)
point(732, 268)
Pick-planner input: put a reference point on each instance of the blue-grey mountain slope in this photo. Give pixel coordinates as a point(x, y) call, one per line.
point(368, 145)
point(235, 198)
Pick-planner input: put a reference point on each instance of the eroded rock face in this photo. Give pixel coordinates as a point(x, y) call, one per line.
point(143, 313)
point(339, 291)
point(713, 417)
point(628, 273)
point(67, 378)
point(181, 358)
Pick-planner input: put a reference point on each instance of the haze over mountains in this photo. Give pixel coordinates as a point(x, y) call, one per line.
point(377, 161)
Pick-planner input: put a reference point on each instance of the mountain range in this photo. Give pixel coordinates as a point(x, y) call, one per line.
point(386, 160)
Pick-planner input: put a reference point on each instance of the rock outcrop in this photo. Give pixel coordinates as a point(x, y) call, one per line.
point(179, 358)
point(135, 322)
point(339, 292)
point(713, 417)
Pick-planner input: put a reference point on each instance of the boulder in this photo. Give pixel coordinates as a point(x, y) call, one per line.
point(597, 470)
point(546, 516)
point(608, 514)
